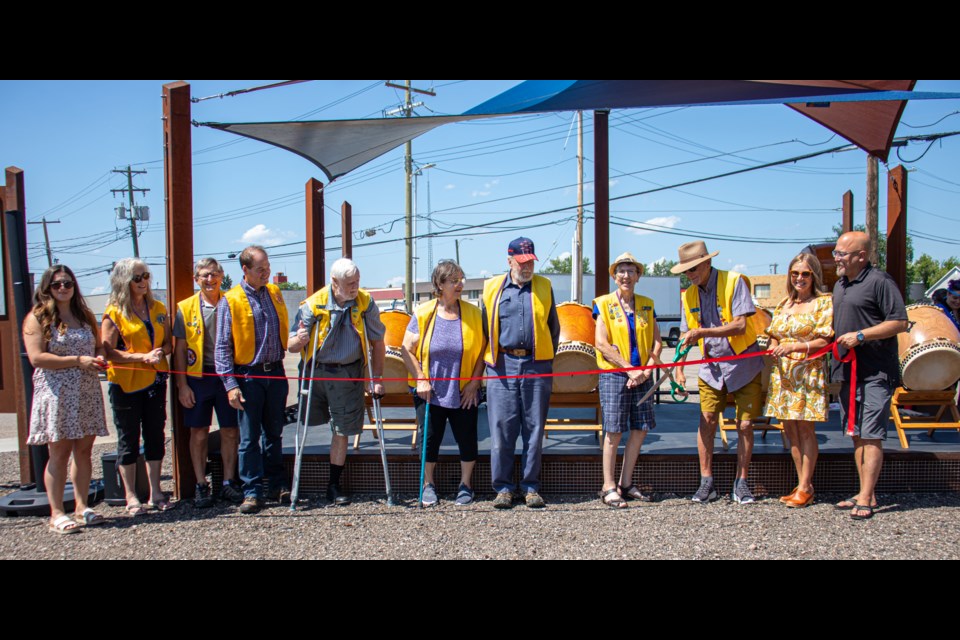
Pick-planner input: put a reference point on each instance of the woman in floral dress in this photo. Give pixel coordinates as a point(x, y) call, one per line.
point(62, 340)
point(802, 323)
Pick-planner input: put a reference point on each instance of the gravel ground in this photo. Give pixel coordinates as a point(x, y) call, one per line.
point(907, 526)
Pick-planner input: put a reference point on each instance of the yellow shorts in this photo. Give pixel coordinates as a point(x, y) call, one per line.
point(749, 399)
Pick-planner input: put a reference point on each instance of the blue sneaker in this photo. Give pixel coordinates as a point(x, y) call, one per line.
point(464, 495)
point(429, 496)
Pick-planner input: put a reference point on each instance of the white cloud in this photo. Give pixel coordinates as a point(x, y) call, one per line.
point(484, 273)
point(260, 234)
point(564, 255)
point(450, 186)
point(396, 281)
point(739, 268)
point(613, 183)
point(97, 291)
point(480, 194)
point(491, 184)
point(662, 221)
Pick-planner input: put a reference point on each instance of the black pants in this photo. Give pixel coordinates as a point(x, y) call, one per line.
point(144, 410)
point(463, 423)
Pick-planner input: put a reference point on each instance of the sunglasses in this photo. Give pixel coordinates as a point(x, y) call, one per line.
point(62, 284)
point(842, 254)
point(800, 274)
point(139, 278)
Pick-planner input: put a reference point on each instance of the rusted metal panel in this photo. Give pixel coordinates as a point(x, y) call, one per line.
point(316, 264)
point(178, 190)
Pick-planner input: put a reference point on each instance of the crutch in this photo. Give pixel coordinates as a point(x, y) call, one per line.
point(423, 453)
point(303, 417)
point(378, 417)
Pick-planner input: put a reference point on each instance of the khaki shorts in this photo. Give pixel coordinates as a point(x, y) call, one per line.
point(748, 399)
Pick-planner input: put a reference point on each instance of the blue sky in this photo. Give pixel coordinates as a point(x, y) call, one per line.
point(68, 136)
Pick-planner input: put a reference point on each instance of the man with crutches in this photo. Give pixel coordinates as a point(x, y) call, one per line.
point(339, 326)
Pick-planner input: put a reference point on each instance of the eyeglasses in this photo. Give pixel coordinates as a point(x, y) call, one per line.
point(626, 272)
point(207, 276)
point(61, 284)
point(691, 269)
point(140, 277)
point(800, 274)
point(843, 254)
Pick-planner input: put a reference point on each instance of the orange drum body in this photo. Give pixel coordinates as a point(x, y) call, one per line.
point(576, 351)
point(930, 350)
point(396, 322)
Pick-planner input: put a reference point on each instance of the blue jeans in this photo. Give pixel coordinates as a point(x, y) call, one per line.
point(262, 417)
point(517, 407)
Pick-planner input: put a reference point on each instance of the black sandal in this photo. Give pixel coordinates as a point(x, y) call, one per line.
point(633, 492)
point(616, 503)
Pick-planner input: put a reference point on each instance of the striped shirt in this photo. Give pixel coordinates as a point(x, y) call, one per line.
point(266, 326)
point(342, 344)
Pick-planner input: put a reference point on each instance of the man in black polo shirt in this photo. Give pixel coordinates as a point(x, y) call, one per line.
point(868, 313)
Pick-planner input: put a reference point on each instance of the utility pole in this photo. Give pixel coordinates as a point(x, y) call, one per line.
point(133, 211)
point(407, 110)
point(46, 238)
point(576, 289)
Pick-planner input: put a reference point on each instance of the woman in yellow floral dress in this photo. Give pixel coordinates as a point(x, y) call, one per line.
point(802, 323)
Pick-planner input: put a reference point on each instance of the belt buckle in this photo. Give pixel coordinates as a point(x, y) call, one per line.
point(268, 366)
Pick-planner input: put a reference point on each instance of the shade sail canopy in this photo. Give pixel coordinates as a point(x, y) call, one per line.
point(865, 112)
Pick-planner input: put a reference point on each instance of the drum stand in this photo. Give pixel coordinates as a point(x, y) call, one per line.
point(395, 401)
point(943, 399)
point(760, 423)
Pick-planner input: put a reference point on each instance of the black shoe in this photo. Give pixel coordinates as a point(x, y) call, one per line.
point(337, 496)
point(251, 505)
point(231, 493)
point(202, 499)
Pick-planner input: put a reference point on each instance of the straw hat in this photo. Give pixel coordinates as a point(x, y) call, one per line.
point(692, 254)
point(628, 258)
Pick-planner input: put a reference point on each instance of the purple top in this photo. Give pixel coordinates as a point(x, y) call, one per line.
point(735, 374)
point(446, 350)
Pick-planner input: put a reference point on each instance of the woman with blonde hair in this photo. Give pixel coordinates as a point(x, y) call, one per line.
point(802, 323)
point(136, 336)
point(63, 343)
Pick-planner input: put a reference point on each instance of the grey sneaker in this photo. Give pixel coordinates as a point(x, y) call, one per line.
point(534, 501)
point(706, 492)
point(741, 492)
point(504, 500)
point(429, 496)
point(202, 499)
point(464, 495)
point(231, 493)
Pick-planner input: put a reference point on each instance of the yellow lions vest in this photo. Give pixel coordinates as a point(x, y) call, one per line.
point(136, 376)
point(317, 303)
point(726, 284)
point(540, 300)
point(241, 315)
point(614, 319)
point(471, 328)
point(193, 325)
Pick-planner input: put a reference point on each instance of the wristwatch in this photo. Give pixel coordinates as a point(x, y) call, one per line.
point(860, 337)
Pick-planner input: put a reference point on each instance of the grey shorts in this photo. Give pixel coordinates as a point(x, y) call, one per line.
point(873, 408)
point(339, 403)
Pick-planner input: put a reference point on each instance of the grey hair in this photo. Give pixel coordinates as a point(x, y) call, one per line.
point(343, 268)
point(444, 270)
point(204, 263)
point(120, 279)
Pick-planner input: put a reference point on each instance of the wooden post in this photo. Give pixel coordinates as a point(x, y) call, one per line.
point(17, 294)
point(601, 202)
point(847, 224)
point(178, 188)
point(872, 215)
point(897, 227)
point(346, 222)
point(316, 264)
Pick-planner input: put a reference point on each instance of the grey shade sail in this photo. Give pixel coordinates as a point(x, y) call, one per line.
point(338, 147)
